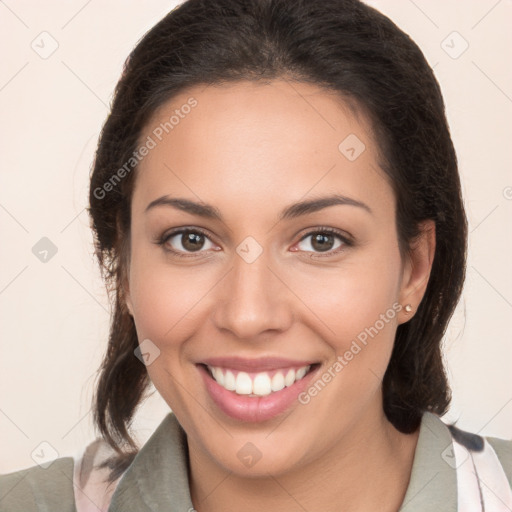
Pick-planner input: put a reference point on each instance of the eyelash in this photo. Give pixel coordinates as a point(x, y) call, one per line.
point(347, 242)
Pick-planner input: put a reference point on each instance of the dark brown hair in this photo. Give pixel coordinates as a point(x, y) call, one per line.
point(344, 46)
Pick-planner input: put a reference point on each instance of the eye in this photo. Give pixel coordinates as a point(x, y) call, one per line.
point(324, 240)
point(183, 241)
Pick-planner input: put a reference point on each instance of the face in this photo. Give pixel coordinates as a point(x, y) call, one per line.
point(264, 246)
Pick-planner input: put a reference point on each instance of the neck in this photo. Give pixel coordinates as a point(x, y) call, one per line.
point(369, 469)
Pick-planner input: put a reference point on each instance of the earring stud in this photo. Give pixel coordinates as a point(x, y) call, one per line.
point(408, 308)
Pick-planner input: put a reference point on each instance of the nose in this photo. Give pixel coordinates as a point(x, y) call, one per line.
point(253, 300)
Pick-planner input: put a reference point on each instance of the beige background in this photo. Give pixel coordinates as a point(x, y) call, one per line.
point(54, 315)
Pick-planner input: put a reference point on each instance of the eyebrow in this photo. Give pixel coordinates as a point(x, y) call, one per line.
point(290, 212)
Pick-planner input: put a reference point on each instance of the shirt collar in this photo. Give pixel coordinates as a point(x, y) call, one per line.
point(433, 483)
point(157, 480)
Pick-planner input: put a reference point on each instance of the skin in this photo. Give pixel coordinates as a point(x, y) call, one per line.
point(251, 150)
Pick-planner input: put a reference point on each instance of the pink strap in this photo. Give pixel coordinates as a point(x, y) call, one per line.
point(92, 490)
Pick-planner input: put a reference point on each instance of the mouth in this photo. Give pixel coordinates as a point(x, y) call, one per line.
point(255, 396)
point(258, 384)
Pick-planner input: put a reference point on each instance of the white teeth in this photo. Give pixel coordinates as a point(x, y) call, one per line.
point(277, 382)
point(290, 378)
point(299, 374)
point(219, 376)
point(243, 384)
point(229, 380)
point(261, 385)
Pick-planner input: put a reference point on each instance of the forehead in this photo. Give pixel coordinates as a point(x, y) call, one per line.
point(267, 143)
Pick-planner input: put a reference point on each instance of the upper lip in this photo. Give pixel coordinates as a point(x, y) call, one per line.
point(255, 365)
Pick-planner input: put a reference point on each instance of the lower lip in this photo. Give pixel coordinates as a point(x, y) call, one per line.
point(253, 409)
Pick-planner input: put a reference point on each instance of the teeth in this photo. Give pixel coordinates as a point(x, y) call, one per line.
point(229, 380)
point(277, 382)
point(243, 384)
point(219, 376)
point(300, 373)
point(261, 384)
point(290, 378)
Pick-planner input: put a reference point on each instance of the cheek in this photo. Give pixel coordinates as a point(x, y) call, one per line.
point(166, 312)
point(355, 295)
point(356, 302)
point(165, 300)
point(356, 311)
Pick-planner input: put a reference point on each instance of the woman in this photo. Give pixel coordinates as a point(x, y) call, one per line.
point(278, 212)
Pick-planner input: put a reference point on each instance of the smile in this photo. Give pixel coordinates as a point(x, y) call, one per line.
point(257, 384)
point(255, 390)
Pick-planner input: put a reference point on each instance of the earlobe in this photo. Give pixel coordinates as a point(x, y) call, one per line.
point(126, 297)
point(129, 306)
point(417, 270)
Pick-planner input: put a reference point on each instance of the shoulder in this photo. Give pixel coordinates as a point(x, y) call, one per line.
point(93, 490)
point(67, 484)
point(476, 443)
point(486, 451)
point(503, 449)
point(452, 465)
point(39, 488)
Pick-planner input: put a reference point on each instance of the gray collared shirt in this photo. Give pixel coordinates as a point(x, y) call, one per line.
point(157, 479)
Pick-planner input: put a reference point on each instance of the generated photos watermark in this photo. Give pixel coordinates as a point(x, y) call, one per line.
point(144, 149)
point(357, 345)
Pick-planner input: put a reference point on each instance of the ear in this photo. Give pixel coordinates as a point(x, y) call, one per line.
point(417, 268)
point(128, 301)
point(125, 298)
point(123, 271)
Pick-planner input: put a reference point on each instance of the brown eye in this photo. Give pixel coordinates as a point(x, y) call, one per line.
point(322, 241)
point(192, 241)
point(186, 241)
